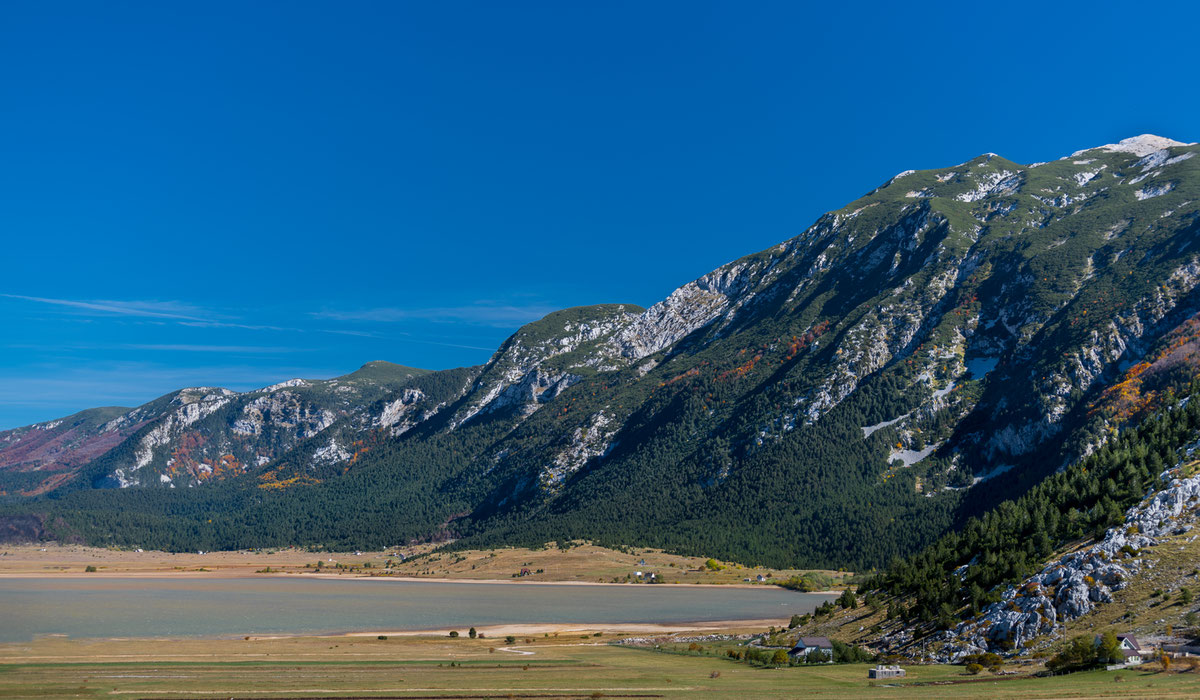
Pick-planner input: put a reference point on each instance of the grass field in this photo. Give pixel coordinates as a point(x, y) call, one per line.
point(582, 563)
point(549, 667)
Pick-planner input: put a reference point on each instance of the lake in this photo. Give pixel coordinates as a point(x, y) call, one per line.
point(145, 607)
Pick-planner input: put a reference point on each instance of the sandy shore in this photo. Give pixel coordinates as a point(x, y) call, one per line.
point(556, 628)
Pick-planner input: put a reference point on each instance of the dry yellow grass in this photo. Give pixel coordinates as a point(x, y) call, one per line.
point(583, 563)
point(544, 667)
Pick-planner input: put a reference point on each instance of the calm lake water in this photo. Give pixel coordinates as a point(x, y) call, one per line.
point(131, 607)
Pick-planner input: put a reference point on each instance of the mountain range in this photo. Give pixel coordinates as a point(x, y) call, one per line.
point(941, 344)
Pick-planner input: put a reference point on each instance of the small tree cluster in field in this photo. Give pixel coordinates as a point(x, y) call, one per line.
point(807, 582)
point(990, 661)
point(850, 654)
point(842, 653)
point(1082, 653)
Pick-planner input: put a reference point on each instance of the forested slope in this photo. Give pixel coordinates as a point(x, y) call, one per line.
point(912, 359)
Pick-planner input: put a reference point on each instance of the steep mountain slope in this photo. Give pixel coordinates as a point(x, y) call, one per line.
point(959, 317)
point(1098, 543)
point(940, 344)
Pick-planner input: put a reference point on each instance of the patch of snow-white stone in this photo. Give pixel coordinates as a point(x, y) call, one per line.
point(397, 414)
point(992, 184)
point(285, 385)
point(1151, 191)
point(332, 453)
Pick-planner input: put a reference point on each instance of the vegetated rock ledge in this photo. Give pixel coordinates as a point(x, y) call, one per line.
point(1071, 586)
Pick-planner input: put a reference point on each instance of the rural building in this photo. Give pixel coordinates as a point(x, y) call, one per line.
point(885, 672)
point(1182, 650)
point(808, 645)
point(1130, 648)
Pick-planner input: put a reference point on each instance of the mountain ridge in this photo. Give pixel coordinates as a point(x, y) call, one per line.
point(951, 328)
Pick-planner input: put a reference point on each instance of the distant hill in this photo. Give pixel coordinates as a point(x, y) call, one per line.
point(189, 436)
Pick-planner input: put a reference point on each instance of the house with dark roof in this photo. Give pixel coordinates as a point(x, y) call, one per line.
point(1130, 649)
point(809, 645)
point(1134, 654)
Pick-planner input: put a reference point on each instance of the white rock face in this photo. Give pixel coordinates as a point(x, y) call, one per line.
point(1151, 191)
point(400, 414)
point(331, 453)
point(1087, 176)
point(688, 309)
point(592, 440)
point(286, 411)
point(285, 385)
point(992, 185)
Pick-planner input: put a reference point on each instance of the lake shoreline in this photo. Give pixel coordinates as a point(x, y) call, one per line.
point(201, 575)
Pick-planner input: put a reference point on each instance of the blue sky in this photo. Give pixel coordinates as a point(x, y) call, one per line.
point(238, 193)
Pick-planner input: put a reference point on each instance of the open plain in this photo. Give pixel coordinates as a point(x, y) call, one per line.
point(577, 665)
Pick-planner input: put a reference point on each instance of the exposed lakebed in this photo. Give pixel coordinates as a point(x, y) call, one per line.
point(133, 607)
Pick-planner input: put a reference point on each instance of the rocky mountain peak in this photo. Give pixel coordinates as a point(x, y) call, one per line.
point(1142, 145)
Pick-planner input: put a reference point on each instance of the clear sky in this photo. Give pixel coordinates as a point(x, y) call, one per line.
point(210, 193)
